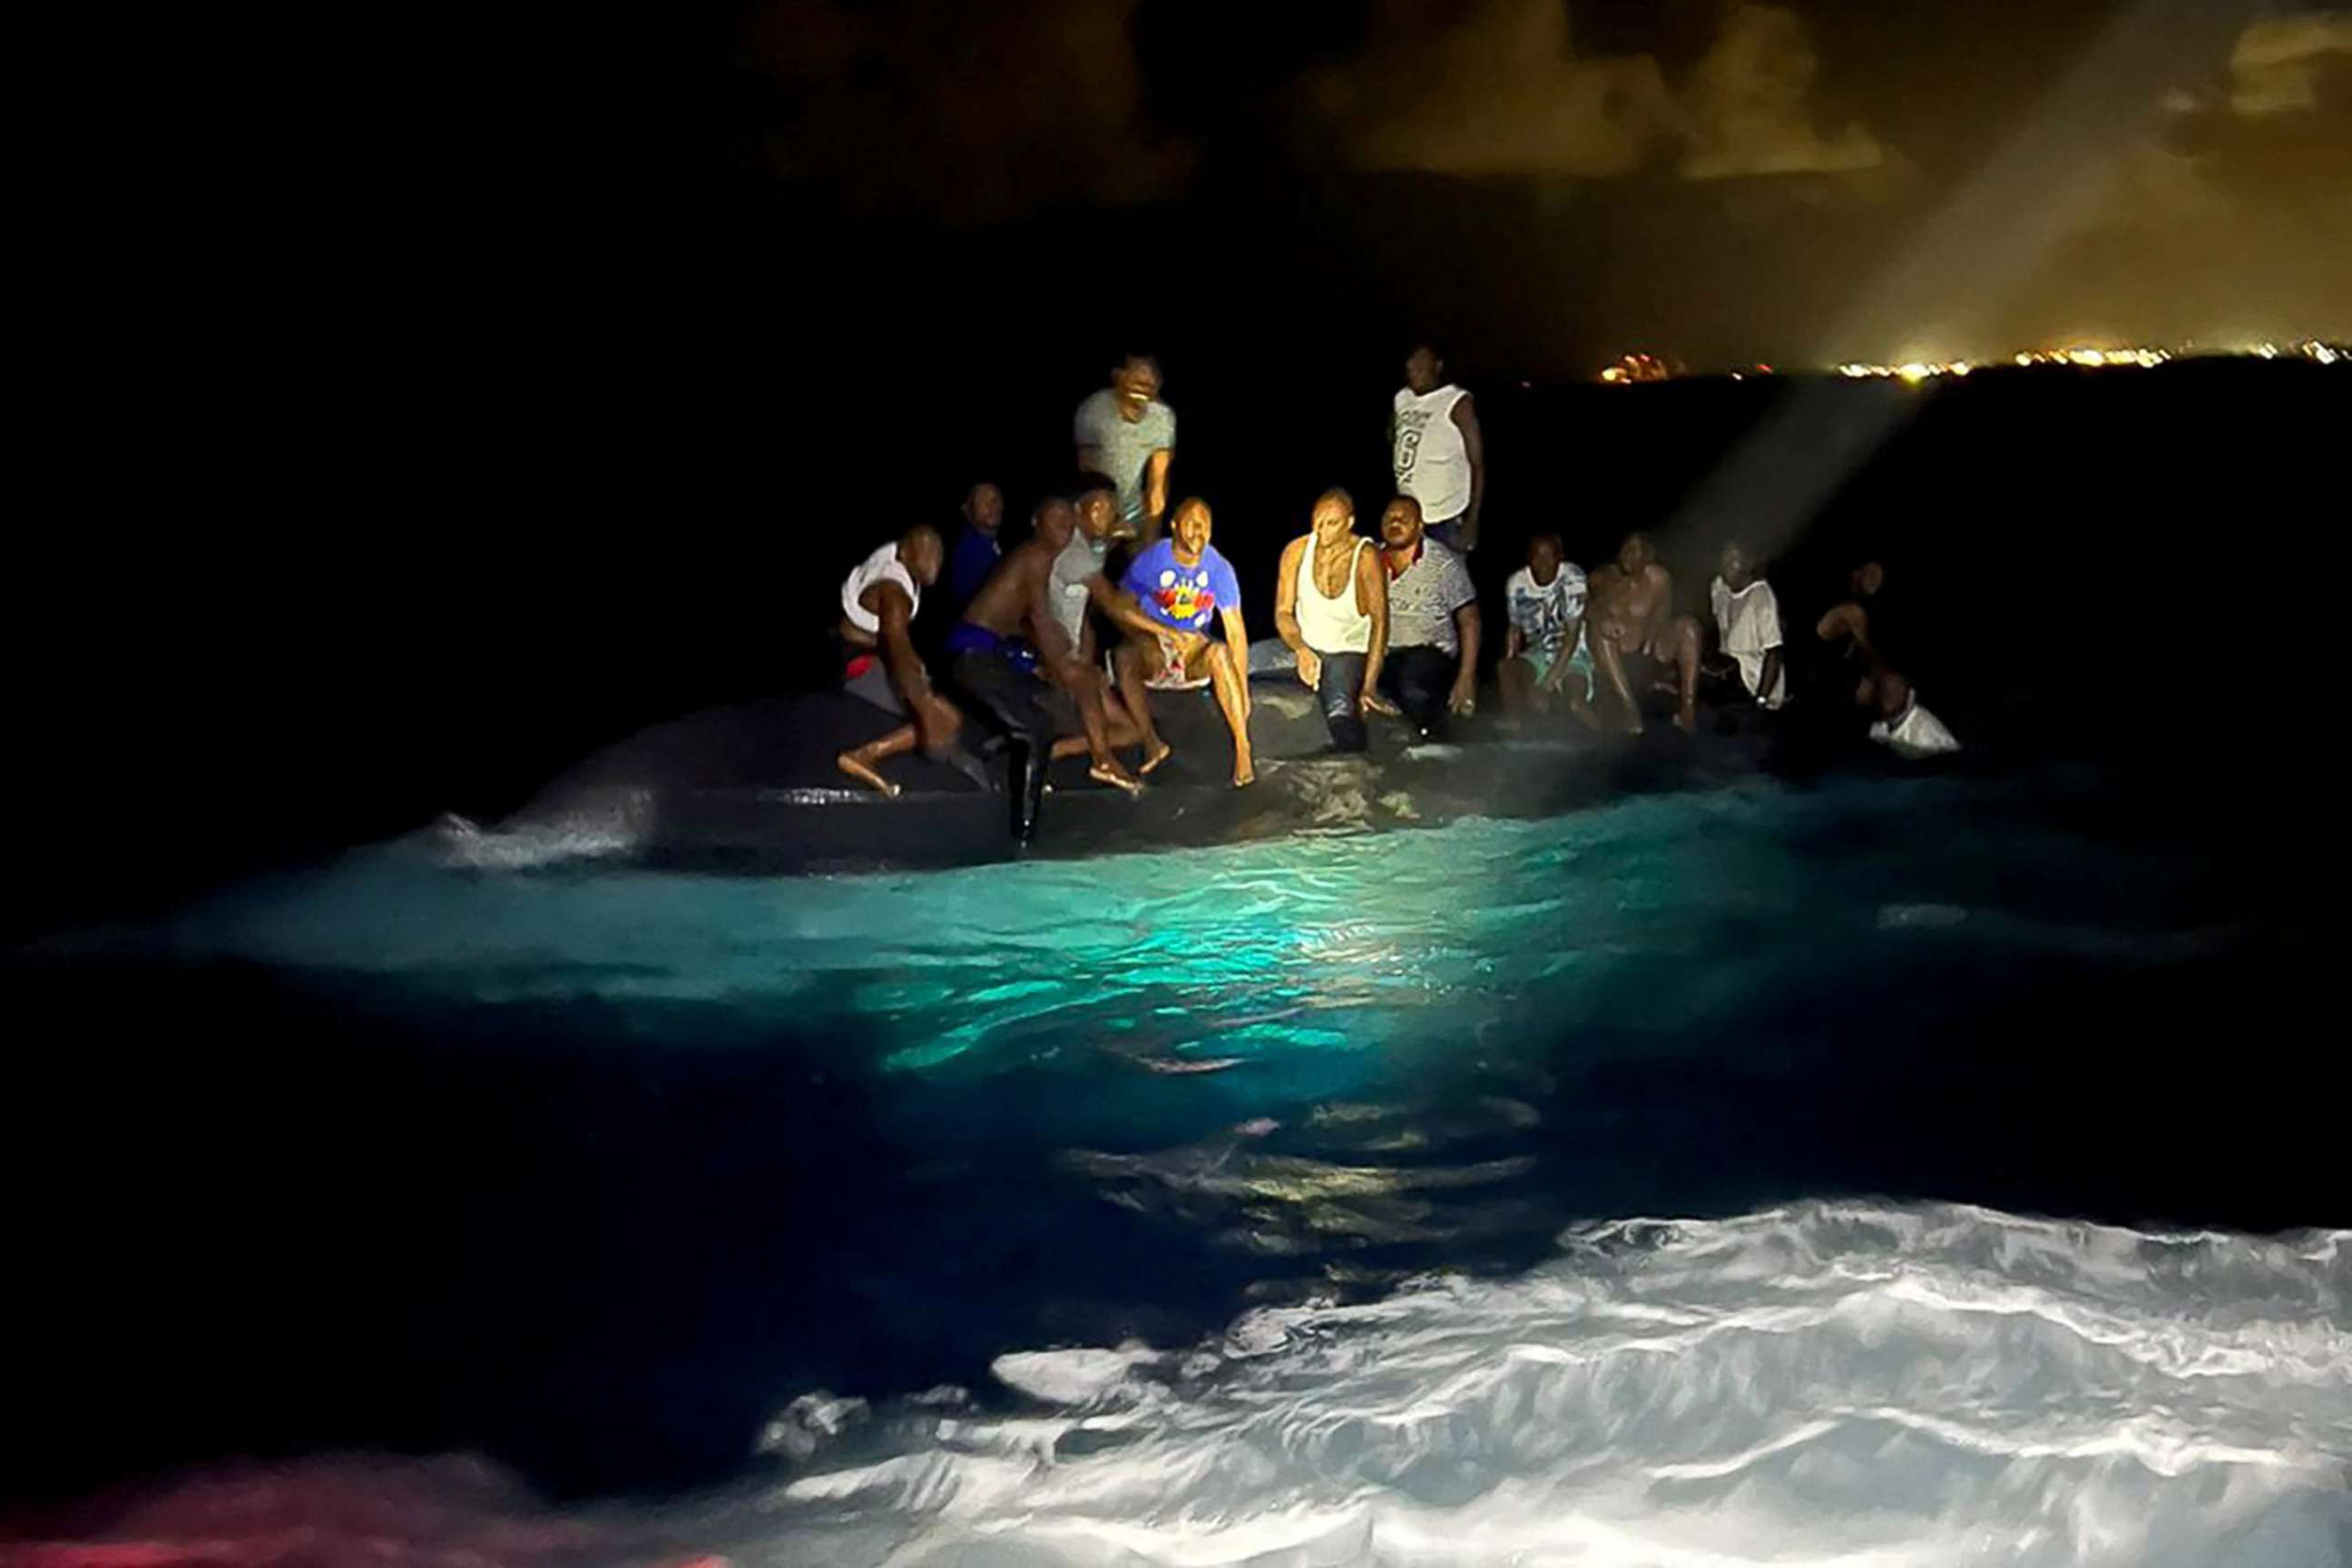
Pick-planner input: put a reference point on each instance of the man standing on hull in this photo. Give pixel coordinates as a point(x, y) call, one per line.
point(1635, 634)
point(995, 676)
point(879, 665)
point(1125, 431)
point(1437, 450)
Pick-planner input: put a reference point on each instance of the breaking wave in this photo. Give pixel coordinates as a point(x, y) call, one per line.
point(1826, 1383)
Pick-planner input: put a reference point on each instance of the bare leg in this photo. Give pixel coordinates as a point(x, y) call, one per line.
point(1681, 648)
point(1136, 697)
point(1517, 678)
point(1227, 682)
point(859, 763)
point(1086, 688)
point(1610, 660)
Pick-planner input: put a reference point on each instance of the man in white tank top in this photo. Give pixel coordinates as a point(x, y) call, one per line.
point(1437, 450)
point(879, 664)
point(1331, 606)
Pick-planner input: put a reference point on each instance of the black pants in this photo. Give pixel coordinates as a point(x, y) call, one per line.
point(1420, 680)
point(1340, 691)
point(1013, 702)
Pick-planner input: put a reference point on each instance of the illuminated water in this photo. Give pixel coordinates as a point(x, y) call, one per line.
point(842, 1195)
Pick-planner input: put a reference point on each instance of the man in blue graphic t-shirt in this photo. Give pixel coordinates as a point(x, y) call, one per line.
point(1181, 584)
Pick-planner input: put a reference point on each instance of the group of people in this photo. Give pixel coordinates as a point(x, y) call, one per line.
point(1059, 643)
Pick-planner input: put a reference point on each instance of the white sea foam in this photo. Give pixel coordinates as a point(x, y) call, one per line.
point(1840, 1383)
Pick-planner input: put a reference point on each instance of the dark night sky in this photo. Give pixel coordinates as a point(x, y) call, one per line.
point(1721, 180)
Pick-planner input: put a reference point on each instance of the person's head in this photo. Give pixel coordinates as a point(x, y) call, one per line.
point(1191, 525)
point(1335, 516)
point(1868, 578)
point(1135, 380)
point(1054, 520)
point(920, 553)
point(983, 507)
point(1735, 567)
point(1425, 369)
point(1544, 556)
point(1400, 524)
point(1096, 499)
point(1633, 556)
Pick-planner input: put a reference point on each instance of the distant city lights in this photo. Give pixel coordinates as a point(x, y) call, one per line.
point(1643, 367)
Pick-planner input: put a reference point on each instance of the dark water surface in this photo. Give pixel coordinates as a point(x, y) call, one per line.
point(595, 1169)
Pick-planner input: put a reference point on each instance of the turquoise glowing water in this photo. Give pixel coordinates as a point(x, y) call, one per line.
point(613, 1164)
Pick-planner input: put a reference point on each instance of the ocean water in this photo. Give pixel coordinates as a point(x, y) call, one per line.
point(1883, 1171)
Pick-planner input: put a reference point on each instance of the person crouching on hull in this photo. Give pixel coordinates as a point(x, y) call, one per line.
point(1432, 664)
point(1331, 606)
point(880, 667)
point(1636, 637)
point(1189, 592)
point(1004, 680)
point(1544, 655)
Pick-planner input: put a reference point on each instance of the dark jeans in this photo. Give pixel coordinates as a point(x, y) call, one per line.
point(1448, 532)
point(1419, 679)
point(1013, 702)
point(1341, 693)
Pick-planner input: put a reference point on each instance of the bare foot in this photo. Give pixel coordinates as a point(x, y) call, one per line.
point(1115, 774)
point(1245, 773)
point(1633, 726)
point(848, 763)
point(1154, 754)
point(1686, 720)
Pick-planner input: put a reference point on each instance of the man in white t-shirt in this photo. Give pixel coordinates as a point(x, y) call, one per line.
point(1748, 625)
point(1437, 450)
point(1544, 657)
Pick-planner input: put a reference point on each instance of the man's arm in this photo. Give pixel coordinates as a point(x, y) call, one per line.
point(1515, 642)
point(1121, 606)
point(904, 667)
point(1285, 598)
point(1155, 491)
point(1467, 627)
point(1473, 447)
point(1661, 607)
point(1770, 674)
point(1557, 673)
point(1373, 598)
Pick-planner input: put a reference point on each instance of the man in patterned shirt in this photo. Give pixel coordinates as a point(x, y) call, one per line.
point(1432, 668)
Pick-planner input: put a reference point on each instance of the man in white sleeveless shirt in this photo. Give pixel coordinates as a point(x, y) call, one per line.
point(879, 665)
point(1437, 450)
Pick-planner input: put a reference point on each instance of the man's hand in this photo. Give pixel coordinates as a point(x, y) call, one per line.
point(1463, 700)
point(1375, 703)
point(1310, 669)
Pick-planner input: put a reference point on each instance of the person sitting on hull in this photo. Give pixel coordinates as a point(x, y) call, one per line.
point(1331, 606)
point(1080, 589)
point(1636, 637)
point(1003, 679)
point(1899, 721)
point(1189, 592)
point(1432, 670)
point(977, 548)
point(1748, 625)
point(880, 667)
point(1544, 657)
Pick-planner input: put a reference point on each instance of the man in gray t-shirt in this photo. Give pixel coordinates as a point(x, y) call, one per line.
point(1125, 431)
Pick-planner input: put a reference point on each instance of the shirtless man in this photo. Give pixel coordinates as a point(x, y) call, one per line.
point(879, 665)
point(995, 676)
point(1632, 630)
